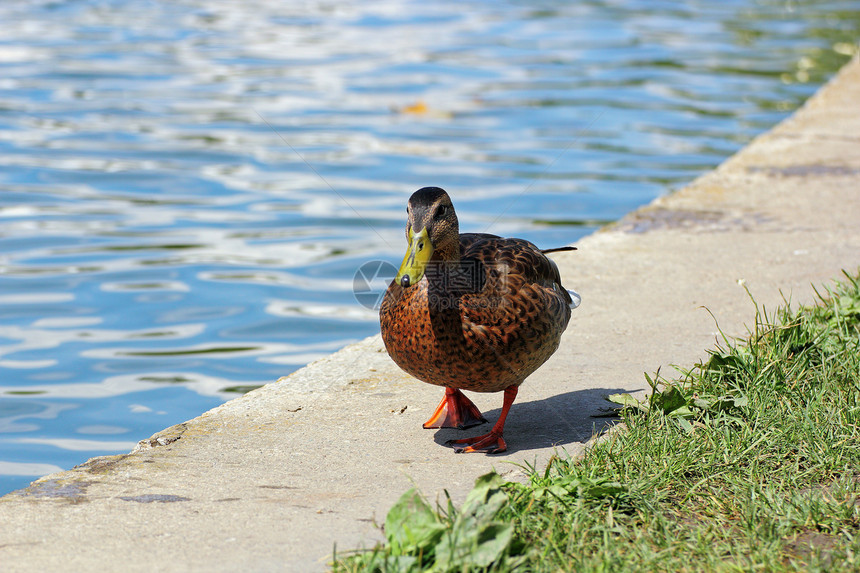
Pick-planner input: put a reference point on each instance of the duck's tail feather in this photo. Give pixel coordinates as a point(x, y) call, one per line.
point(557, 249)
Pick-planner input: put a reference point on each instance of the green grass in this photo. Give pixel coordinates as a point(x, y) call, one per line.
point(749, 461)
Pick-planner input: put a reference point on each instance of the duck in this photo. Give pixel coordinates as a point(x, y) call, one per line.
point(472, 311)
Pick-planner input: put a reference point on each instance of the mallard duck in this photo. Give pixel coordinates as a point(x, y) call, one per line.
point(471, 312)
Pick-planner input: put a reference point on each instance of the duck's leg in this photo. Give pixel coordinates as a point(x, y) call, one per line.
point(455, 411)
point(492, 443)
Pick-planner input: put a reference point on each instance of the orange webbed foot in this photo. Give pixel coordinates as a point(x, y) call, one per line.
point(455, 411)
point(492, 443)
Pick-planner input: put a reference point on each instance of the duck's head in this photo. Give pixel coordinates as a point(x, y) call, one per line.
point(432, 231)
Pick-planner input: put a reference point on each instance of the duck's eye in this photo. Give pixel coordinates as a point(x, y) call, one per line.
point(441, 211)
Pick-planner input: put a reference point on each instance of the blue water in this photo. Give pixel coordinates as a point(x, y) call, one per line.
point(187, 189)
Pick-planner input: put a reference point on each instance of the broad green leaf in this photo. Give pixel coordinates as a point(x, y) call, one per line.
point(627, 400)
point(682, 412)
point(722, 363)
point(485, 500)
point(479, 546)
point(492, 541)
point(411, 526)
point(474, 530)
point(670, 399)
point(603, 489)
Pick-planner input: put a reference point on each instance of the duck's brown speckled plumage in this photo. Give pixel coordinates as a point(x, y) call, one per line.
point(486, 314)
point(481, 340)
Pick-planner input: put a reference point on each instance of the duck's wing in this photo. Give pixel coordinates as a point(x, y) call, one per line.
point(467, 240)
point(519, 281)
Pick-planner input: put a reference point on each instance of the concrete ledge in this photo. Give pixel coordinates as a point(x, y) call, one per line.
point(273, 479)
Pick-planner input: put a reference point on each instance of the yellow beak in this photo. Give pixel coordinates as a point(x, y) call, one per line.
point(418, 252)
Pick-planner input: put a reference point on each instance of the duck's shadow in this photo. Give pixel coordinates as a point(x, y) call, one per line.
point(555, 421)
